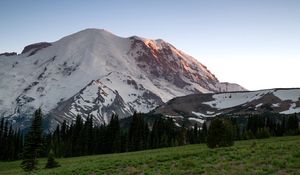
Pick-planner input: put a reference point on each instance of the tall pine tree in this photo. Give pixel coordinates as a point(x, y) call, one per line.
point(33, 143)
point(138, 133)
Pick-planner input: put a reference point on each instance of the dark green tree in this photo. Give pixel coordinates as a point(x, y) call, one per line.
point(33, 143)
point(263, 133)
point(220, 134)
point(137, 133)
point(292, 125)
point(182, 135)
point(51, 162)
point(11, 142)
point(1, 134)
point(77, 136)
point(203, 133)
point(114, 134)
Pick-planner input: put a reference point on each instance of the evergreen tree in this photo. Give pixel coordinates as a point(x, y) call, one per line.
point(124, 141)
point(164, 133)
point(262, 133)
point(146, 135)
point(100, 139)
point(250, 134)
point(236, 128)
point(182, 135)
point(77, 136)
point(203, 133)
point(10, 142)
point(196, 133)
point(228, 135)
point(292, 125)
point(278, 129)
point(1, 137)
point(137, 133)
point(283, 126)
point(56, 141)
point(10, 150)
point(193, 134)
point(114, 134)
point(33, 143)
point(220, 134)
point(155, 133)
point(5, 140)
point(51, 162)
point(18, 142)
point(91, 136)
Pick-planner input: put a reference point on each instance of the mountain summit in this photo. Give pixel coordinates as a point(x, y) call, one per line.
point(96, 72)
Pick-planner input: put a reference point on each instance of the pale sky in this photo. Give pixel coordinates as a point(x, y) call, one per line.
point(253, 43)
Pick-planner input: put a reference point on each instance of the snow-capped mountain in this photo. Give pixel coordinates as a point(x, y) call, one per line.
point(198, 107)
point(96, 72)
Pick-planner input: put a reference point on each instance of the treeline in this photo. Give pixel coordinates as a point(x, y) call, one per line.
point(84, 137)
point(251, 127)
point(11, 142)
point(266, 125)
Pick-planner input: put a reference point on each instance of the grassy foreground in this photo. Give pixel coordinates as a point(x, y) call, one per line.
point(279, 155)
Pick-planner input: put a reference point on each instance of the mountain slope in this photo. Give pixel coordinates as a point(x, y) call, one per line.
point(96, 72)
point(198, 107)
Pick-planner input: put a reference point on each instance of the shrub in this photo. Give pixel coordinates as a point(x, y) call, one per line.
point(51, 163)
point(263, 133)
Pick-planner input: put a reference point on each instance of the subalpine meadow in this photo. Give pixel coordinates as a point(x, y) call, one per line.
point(277, 155)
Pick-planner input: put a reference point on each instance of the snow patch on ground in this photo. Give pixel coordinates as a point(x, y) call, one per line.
point(210, 112)
point(176, 124)
point(227, 100)
point(259, 105)
point(276, 105)
point(291, 94)
point(292, 109)
point(198, 114)
point(175, 116)
point(196, 120)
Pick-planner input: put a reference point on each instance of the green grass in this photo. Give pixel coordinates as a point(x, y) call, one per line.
point(279, 155)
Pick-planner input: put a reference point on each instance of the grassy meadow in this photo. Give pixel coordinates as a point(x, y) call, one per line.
point(278, 155)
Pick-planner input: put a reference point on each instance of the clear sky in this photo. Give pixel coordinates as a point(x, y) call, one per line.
point(255, 43)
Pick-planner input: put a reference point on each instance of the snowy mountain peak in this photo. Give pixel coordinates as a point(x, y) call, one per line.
point(72, 75)
point(92, 32)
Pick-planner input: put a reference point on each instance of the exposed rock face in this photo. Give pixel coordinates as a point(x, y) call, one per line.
point(33, 48)
point(162, 60)
point(8, 54)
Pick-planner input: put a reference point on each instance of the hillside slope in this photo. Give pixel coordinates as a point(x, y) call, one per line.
point(199, 107)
